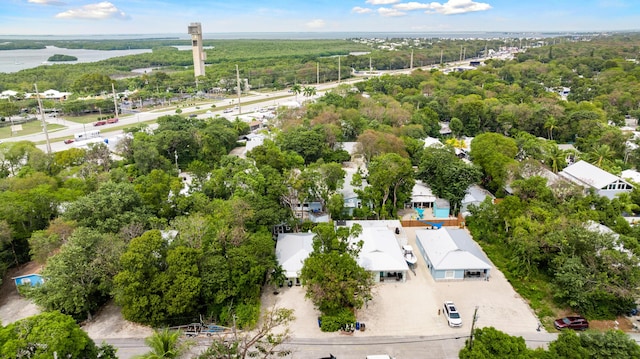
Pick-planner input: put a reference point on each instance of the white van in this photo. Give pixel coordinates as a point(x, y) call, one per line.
point(379, 356)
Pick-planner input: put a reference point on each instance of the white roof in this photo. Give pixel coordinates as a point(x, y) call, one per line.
point(586, 174)
point(291, 251)
point(350, 147)
point(631, 175)
point(475, 194)
point(380, 251)
point(432, 142)
point(348, 190)
point(444, 253)
point(421, 193)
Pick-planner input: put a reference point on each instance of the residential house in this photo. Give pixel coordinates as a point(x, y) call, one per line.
point(451, 254)
point(591, 177)
point(381, 252)
point(441, 208)
point(474, 196)
point(291, 251)
point(350, 197)
point(421, 196)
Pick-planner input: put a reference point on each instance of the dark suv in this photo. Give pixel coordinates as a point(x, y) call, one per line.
point(575, 322)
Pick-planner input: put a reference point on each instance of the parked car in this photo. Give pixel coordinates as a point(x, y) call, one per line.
point(574, 322)
point(452, 315)
point(100, 123)
point(112, 120)
point(69, 140)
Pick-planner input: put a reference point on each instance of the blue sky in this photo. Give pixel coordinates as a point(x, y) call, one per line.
point(86, 17)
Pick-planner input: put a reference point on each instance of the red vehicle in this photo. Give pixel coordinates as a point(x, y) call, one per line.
point(112, 120)
point(69, 140)
point(575, 322)
point(100, 123)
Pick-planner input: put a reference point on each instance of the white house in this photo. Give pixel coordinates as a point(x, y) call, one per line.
point(351, 199)
point(381, 252)
point(421, 196)
point(291, 251)
point(589, 176)
point(451, 254)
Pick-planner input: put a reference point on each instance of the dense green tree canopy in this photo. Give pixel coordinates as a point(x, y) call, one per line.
point(78, 279)
point(43, 335)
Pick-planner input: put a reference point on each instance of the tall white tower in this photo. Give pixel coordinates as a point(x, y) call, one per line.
point(195, 30)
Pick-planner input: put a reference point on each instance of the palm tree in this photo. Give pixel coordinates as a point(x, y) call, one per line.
point(296, 89)
point(557, 158)
point(164, 344)
point(309, 91)
point(600, 154)
point(550, 125)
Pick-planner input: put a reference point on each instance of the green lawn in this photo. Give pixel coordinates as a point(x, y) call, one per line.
point(28, 128)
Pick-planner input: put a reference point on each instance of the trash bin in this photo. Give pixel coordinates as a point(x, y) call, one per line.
point(362, 327)
point(319, 322)
point(357, 325)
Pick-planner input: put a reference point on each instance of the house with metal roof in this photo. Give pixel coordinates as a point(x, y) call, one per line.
point(451, 254)
point(291, 251)
point(474, 196)
point(591, 177)
point(421, 196)
point(381, 252)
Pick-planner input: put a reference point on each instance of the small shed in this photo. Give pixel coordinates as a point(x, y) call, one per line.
point(32, 279)
point(441, 208)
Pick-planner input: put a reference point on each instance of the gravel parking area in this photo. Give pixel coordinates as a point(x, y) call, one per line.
point(411, 308)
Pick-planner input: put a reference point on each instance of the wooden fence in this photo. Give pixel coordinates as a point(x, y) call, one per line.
point(450, 222)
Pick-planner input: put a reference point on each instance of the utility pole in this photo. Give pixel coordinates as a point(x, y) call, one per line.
point(473, 324)
point(317, 73)
point(115, 103)
point(44, 122)
point(339, 75)
point(370, 68)
point(238, 81)
point(441, 53)
point(460, 53)
point(411, 64)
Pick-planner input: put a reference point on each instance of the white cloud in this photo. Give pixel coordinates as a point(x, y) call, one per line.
point(102, 10)
point(316, 24)
point(390, 12)
point(361, 10)
point(453, 7)
point(412, 6)
point(382, 2)
point(46, 2)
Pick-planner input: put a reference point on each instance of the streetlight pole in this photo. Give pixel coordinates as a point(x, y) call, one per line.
point(44, 122)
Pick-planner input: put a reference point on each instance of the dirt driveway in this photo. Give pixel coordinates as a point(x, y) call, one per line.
point(411, 308)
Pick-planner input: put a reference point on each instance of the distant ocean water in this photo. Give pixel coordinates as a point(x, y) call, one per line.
point(16, 60)
point(297, 35)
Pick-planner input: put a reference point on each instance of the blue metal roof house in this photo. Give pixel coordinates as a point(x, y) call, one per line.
point(32, 279)
point(451, 254)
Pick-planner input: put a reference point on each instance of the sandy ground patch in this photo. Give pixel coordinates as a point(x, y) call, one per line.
point(13, 306)
point(108, 323)
point(412, 307)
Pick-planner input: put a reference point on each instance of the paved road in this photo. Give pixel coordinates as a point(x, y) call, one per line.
point(56, 137)
point(346, 347)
